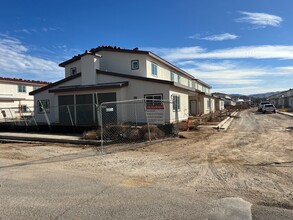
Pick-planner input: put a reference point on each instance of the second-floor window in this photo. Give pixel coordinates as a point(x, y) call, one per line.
point(154, 69)
point(73, 71)
point(134, 64)
point(21, 88)
point(179, 79)
point(172, 76)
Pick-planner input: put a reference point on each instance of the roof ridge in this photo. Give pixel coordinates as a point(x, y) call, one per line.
point(23, 80)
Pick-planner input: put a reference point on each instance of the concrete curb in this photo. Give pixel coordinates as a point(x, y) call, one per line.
point(285, 113)
point(47, 138)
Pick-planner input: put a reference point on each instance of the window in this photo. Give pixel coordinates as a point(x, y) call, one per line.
point(172, 77)
point(73, 71)
point(154, 69)
point(188, 83)
point(176, 102)
point(23, 108)
point(154, 101)
point(21, 88)
point(179, 79)
point(134, 64)
point(44, 106)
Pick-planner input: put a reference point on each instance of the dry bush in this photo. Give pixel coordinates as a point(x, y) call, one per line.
point(115, 132)
point(89, 135)
point(155, 132)
point(134, 134)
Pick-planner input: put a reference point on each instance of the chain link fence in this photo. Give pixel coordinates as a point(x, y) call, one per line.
point(136, 121)
point(112, 122)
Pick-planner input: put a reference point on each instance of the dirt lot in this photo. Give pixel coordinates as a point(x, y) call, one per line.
point(170, 179)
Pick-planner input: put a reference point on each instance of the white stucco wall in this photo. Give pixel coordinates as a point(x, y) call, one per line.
point(89, 65)
point(53, 98)
point(121, 63)
point(138, 89)
point(9, 90)
point(76, 64)
point(183, 113)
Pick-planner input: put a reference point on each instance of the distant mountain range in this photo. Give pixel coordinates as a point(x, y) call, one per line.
point(260, 95)
point(263, 95)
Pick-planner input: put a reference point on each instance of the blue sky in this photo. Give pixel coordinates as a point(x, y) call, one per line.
point(236, 46)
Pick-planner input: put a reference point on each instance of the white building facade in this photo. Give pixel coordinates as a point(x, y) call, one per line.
point(15, 101)
point(107, 74)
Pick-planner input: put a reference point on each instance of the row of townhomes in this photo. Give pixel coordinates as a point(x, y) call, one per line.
point(109, 74)
point(15, 101)
point(228, 101)
point(282, 99)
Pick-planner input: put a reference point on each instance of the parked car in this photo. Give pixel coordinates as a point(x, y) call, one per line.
point(261, 105)
point(268, 108)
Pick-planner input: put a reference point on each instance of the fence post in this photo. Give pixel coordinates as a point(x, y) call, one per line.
point(46, 116)
point(12, 116)
point(33, 116)
point(102, 130)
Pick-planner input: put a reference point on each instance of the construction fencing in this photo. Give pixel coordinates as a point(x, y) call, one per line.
point(114, 122)
point(137, 120)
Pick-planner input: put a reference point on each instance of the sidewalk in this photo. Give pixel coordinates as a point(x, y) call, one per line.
point(286, 113)
point(53, 138)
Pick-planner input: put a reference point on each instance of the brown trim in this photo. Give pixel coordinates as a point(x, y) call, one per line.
point(11, 99)
point(90, 87)
point(145, 79)
point(134, 77)
point(134, 51)
point(55, 84)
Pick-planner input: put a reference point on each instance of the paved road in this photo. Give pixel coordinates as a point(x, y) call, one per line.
point(213, 175)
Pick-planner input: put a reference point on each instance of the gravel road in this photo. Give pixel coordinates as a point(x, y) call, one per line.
point(181, 178)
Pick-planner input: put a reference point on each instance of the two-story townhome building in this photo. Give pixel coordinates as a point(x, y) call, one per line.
point(282, 99)
point(106, 74)
point(15, 100)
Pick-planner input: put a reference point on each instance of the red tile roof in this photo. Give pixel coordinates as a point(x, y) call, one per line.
point(23, 81)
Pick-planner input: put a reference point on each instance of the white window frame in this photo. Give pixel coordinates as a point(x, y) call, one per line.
point(73, 71)
point(154, 69)
point(45, 104)
point(172, 76)
point(134, 64)
point(21, 88)
point(176, 102)
point(151, 100)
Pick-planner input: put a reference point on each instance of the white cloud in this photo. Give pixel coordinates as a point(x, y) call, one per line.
point(16, 61)
point(246, 52)
point(260, 20)
point(217, 37)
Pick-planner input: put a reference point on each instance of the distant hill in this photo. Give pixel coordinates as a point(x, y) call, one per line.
point(263, 95)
